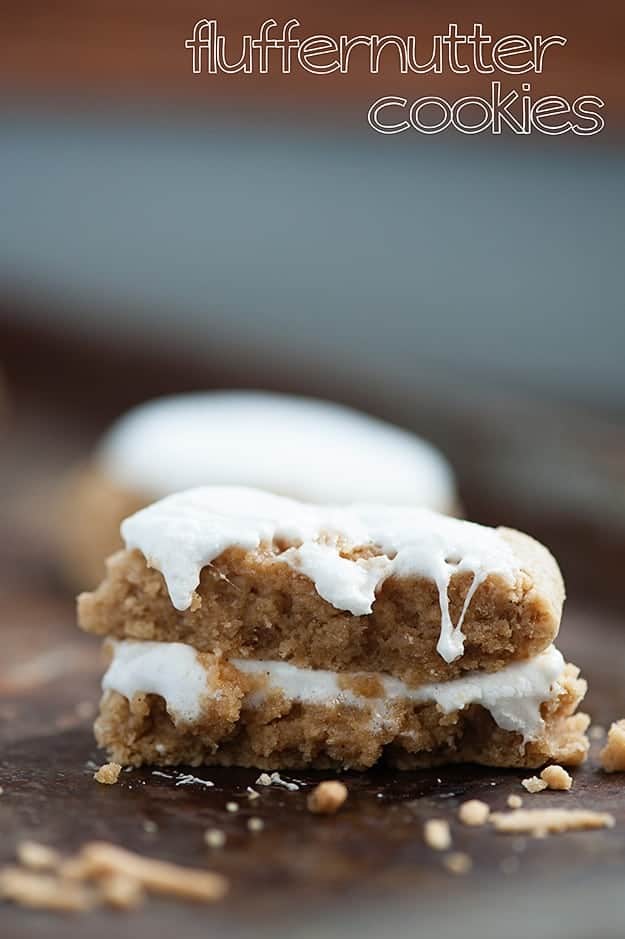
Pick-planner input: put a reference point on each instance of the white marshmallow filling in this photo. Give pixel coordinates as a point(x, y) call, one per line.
point(513, 696)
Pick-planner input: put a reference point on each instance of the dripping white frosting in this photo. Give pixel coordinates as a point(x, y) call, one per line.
point(303, 448)
point(181, 534)
point(513, 695)
point(169, 669)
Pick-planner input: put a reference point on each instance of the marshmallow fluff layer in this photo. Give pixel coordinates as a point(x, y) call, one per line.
point(181, 534)
point(303, 448)
point(513, 696)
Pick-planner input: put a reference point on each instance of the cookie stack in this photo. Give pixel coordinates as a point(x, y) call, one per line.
point(248, 629)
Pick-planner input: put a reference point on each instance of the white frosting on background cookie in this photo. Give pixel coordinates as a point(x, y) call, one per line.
point(183, 533)
point(513, 695)
point(303, 448)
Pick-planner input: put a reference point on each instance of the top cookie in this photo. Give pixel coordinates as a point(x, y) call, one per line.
point(404, 591)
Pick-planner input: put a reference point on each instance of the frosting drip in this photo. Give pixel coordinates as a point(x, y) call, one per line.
point(169, 669)
point(513, 695)
point(181, 534)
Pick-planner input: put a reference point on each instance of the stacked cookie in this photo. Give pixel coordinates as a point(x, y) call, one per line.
point(246, 628)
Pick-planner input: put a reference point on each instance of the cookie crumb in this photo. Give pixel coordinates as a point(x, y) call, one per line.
point(277, 780)
point(149, 826)
point(327, 797)
point(437, 834)
point(556, 777)
point(252, 794)
point(40, 891)
point(541, 822)
point(102, 859)
point(37, 857)
point(255, 823)
point(214, 838)
point(100, 873)
point(534, 784)
point(473, 813)
point(108, 774)
point(74, 868)
point(613, 754)
point(122, 893)
point(232, 807)
point(264, 780)
point(597, 732)
point(514, 801)
point(458, 862)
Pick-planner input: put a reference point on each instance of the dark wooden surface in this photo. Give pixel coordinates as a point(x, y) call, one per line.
point(371, 853)
point(366, 870)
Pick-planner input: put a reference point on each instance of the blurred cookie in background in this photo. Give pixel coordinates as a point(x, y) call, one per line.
point(304, 448)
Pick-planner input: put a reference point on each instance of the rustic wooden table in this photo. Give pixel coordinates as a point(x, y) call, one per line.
point(366, 870)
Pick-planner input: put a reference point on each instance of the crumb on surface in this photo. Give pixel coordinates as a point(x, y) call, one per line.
point(458, 862)
point(540, 822)
point(214, 838)
point(188, 779)
point(37, 857)
point(597, 732)
point(514, 801)
point(534, 784)
point(100, 873)
point(613, 754)
point(44, 891)
point(277, 780)
point(327, 798)
point(252, 794)
point(108, 774)
point(473, 813)
point(73, 868)
point(102, 858)
point(121, 892)
point(255, 823)
point(232, 807)
point(437, 834)
point(557, 777)
point(149, 826)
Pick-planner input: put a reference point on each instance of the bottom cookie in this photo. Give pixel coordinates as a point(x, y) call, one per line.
point(165, 704)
